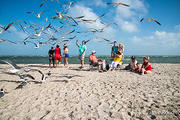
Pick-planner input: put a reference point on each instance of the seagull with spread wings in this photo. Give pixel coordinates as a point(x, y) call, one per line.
point(3, 40)
point(65, 16)
point(118, 4)
point(91, 21)
point(150, 19)
point(37, 15)
point(15, 23)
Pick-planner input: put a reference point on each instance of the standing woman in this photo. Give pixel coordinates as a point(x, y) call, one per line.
point(57, 56)
point(66, 55)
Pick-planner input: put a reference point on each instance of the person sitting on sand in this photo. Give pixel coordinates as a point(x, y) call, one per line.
point(95, 62)
point(57, 55)
point(132, 64)
point(117, 60)
point(146, 67)
point(114, 49)
point(66, 55)
point(51, 56)
point(138, 68)
point(82, 50)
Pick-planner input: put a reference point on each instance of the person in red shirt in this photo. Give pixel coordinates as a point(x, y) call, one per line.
point(146, 67)
point(95, 62)
point(57, 56)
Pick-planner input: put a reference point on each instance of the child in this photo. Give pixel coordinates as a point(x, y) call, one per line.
point(146, 67)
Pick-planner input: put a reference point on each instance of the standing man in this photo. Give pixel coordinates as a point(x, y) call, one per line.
point(114, 49)
point(82, 50)
point(51, 56)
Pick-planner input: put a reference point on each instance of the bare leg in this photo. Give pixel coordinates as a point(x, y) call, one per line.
point(147, 72)
point(82, 63)
point(49, 63)
point(67, 62)
point(64, 61)
point(56, 63)
point(142, 71)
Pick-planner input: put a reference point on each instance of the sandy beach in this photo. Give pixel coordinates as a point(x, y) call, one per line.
point(70, 93)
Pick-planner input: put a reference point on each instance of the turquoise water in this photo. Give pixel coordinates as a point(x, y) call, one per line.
point(75, 60)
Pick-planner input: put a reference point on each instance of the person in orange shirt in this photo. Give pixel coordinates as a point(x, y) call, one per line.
point(95, 62)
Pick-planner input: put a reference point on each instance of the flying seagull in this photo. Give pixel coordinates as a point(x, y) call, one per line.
point(118, 4)
point(3, 40)
point(91, 21)
point(43, 3)
point(13, 65)
point(10, 24)
point(150, 19)
point(37, 15)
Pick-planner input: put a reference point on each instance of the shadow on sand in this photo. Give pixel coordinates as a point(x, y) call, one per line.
point(39, 66)
point(66, 81)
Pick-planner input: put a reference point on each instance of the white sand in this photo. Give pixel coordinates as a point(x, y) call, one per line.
point(74, 94)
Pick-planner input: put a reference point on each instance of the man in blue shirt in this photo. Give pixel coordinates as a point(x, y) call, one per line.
point(82, 50)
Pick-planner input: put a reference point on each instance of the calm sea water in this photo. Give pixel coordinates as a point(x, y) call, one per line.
point(75, 60)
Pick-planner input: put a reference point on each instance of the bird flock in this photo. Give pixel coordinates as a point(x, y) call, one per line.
point(64, 31)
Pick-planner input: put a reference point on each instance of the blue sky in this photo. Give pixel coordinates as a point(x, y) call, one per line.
point(146, 38)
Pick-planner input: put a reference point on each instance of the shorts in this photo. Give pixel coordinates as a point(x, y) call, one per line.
point(57, 57)
point(66, 55)
point(51, 59)
point(81, 57)
point(114, 64)
point(95, 64)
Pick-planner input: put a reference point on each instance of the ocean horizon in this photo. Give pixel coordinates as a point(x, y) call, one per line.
point(74, 59)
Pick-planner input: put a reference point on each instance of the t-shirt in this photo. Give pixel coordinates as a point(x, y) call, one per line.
point(133, 64)
point(93, 58)
point(57, 51)
point(118, 59)
point(114, 49)
point(82, 48)
point(51, 53)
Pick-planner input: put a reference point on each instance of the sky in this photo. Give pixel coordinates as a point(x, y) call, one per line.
point(139, 38)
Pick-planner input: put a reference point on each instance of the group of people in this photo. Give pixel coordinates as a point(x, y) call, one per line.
point(136, 67)
point(116, 55)
point(55, 56)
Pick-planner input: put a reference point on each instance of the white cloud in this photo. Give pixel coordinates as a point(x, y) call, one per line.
point(159, 39)
point(90, 15)
point(17, 33)
point(98, 3)
point(125, 16)
point(127, 26)
point(177, 27)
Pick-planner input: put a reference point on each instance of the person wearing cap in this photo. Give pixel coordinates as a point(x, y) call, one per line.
point(95, 62)
point(146, 67)
point(114, 49)
point(66, 55)
point(82, 49)
point(132, 64)
point(117, 60)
